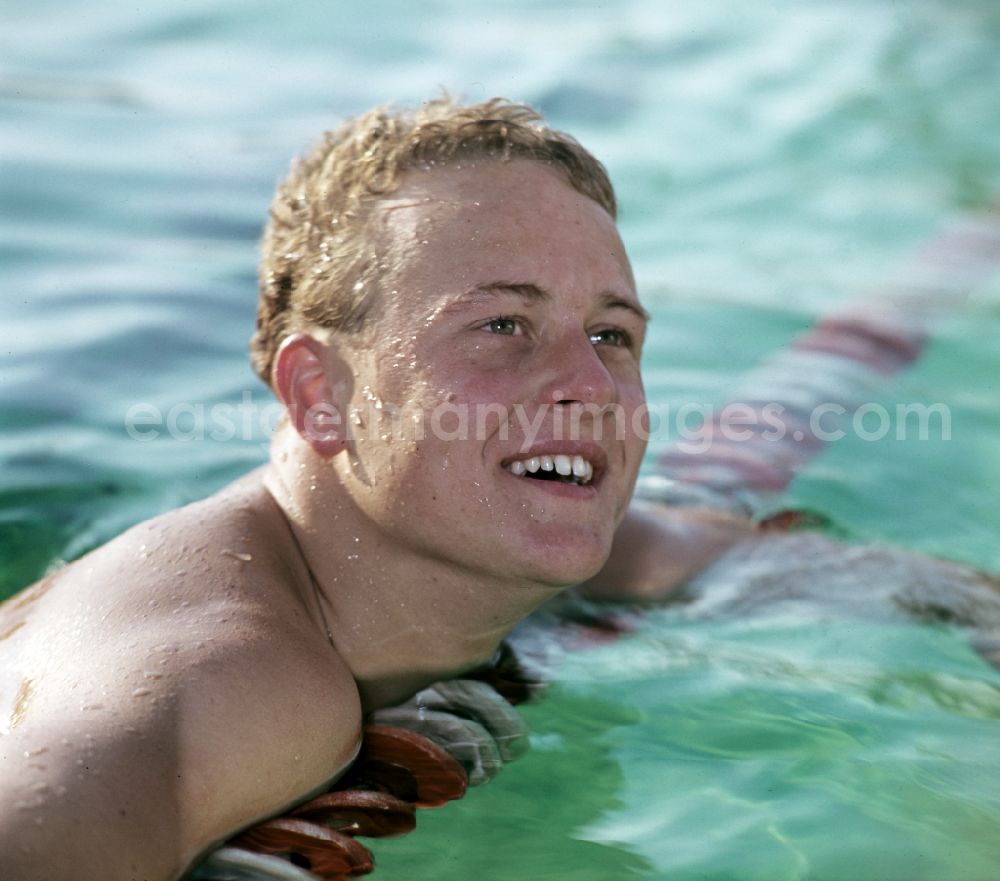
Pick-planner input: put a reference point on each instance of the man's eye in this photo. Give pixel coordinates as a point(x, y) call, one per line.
point(612, 337)
point(504, 326)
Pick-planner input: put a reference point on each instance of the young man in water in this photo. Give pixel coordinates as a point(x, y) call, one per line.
point(450, 319)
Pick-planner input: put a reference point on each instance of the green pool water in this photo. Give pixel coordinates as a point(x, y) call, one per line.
point(772, 161)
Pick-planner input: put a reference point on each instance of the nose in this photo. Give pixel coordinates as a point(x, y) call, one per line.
point(575, 374)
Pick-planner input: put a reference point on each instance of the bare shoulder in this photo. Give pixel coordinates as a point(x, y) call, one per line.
point(171, 681)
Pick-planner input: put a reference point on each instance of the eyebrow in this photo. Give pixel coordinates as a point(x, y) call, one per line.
point(533, 292)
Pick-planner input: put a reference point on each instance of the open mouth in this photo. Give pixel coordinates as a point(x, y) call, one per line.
point(560, 468)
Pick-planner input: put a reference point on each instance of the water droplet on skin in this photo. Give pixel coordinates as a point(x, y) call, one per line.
point(243, 558)
point(141, 692)
point(352, 556)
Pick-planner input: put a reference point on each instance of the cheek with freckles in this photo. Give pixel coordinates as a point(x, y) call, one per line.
point(463, 403)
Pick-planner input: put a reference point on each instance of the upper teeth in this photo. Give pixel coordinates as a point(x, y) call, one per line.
point(575, 466)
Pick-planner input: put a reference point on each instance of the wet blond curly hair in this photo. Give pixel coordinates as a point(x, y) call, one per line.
point(317, 267)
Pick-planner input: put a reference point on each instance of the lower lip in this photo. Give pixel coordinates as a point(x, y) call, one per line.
point(580, 492)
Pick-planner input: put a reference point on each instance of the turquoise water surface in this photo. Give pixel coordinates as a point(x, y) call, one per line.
point(772, 161)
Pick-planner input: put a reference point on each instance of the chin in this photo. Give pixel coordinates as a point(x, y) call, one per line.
point(567, 566)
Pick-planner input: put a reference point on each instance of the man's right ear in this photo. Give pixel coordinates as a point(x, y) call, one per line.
point(311, 397)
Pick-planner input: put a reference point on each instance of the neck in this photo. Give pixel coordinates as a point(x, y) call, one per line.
point(399, 619)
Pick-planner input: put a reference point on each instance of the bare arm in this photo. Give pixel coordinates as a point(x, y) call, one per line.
point(656, 549)
point(114, 783)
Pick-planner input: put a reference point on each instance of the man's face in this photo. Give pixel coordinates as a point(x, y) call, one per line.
point(510, 328)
